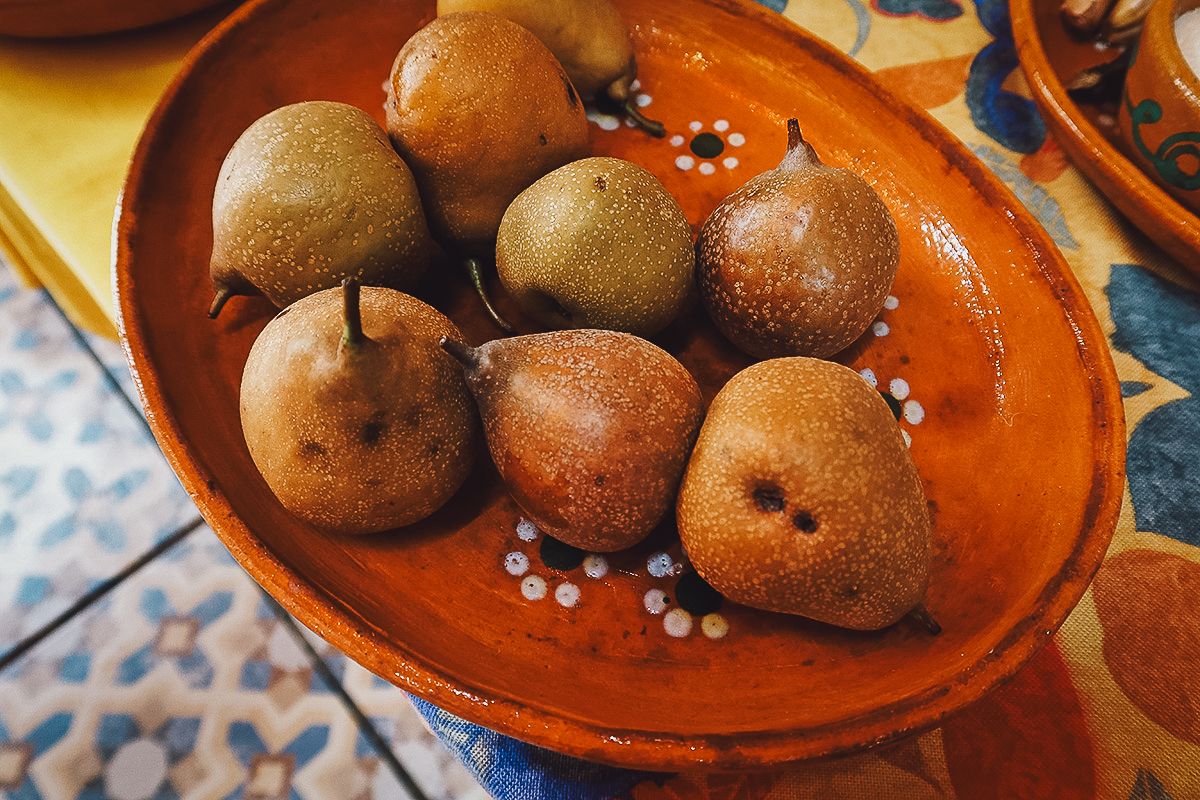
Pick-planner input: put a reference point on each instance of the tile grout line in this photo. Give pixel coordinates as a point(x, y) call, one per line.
point(364, 724)
point(97, 592)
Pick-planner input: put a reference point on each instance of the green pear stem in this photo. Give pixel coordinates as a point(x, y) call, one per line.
point(352, 330)
point(650, 126)
point(475, 273)
point(921, 614)
point(465, 355)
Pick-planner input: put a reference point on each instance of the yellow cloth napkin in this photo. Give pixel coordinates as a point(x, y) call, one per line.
point(71, 111)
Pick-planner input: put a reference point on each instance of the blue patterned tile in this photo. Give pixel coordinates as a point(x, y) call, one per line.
point(157, 687)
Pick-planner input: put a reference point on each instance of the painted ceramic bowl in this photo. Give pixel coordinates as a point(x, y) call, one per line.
point(1050, 58)
point(987, 348)
point(1159, 118)
point(61, 18)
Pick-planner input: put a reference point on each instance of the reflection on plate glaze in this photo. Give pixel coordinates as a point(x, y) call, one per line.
point(678, 596)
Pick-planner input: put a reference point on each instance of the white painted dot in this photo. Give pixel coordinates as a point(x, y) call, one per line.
point(595, 566)
point(914, 412)
point(891, 303)
point(516, 563)
point(136, 771)
point(677, 140)
point(567, 595)
point(606, 122)
point(644, 100)
point(899, 388)
point(533, 587)
point(635, 85)
point(685, 162)
point(721, 125)
point(696, 125)
point(526, 531)
point(656, 601)
point(706, 168)
point(880, 328)
point(714, 626)
point(677, 623)
point(907, 437)
point(736, 139)
point(730, 163)
point(660, 564)
point(869, 376)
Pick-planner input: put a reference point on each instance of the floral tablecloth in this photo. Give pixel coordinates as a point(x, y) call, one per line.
point(1111, 707)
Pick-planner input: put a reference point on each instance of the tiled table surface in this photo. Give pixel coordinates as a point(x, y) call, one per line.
point(183, 680)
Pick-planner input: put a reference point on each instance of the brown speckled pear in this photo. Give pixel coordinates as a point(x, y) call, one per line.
point(480, 109)
point(598, 243)
point(309, 194)
point(352, 412)
point(590, 429)
point(588, 37)
point(801, 496)
point(799, 260)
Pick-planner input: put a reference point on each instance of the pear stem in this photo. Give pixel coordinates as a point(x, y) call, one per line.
point(921, 614)
point(475, 273)
point(650, 126)
point(218, 302)
point(797, 145)
point(465, 355)
point(352, 331)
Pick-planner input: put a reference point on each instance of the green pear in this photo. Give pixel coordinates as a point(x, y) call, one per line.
point(597, 243)
point(801, 496)
point(309, 194)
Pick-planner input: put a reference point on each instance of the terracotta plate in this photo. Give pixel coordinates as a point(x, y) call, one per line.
point(988, 347)
point(1050, 57)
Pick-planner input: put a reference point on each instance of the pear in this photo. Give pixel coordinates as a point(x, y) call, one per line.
point(309, 194)
point(799, 260)
point(598, 243)
point(480, 109)
point(589, 429)
point(801, 497)
point(356, 418)
point(589, 39)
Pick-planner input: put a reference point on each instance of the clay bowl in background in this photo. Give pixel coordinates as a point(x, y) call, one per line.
point(63, 18)
point(989, 347)
point(1050, 57)
point(1159, 117)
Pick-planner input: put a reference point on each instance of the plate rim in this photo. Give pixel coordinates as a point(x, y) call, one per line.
point(1131, 191)
point(761, 749)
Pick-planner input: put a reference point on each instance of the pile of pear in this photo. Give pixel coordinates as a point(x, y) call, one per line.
point(365, 408)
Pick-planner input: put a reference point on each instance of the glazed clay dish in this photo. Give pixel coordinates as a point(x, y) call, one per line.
point(1051, 57)
point(987, 348)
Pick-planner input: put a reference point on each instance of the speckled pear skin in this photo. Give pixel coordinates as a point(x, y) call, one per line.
point(309, 194)
point(364, 440)
point(588, 37)
point(801, 497)
point(597, 243)
point(479, 109)
point(799, 260)
point(589, 429)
